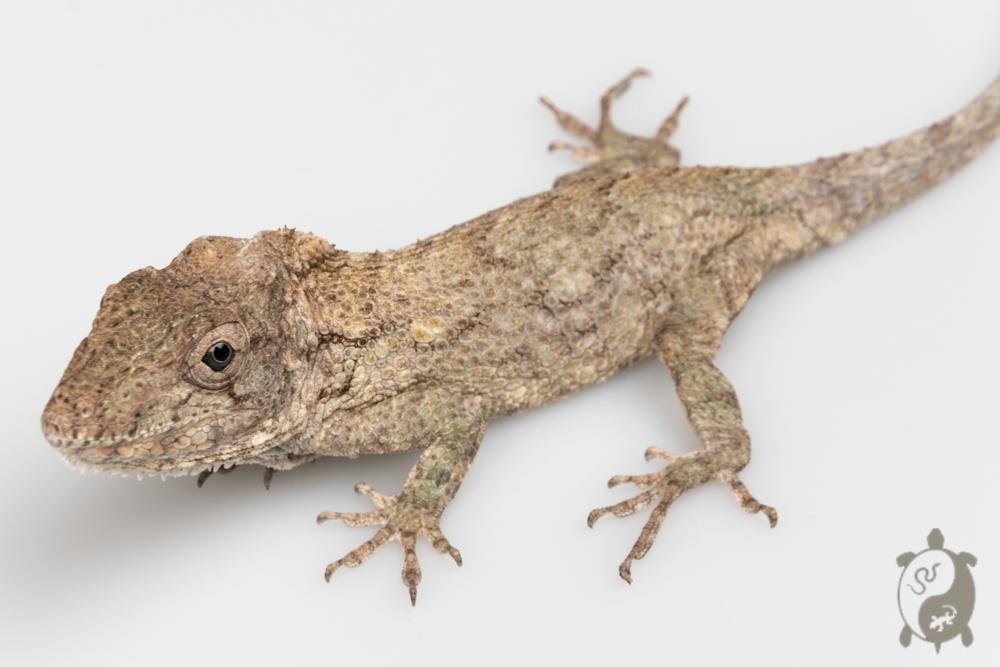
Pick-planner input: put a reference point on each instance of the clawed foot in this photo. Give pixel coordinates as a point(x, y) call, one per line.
point(400, 518)
point(610, 145)
point(666, 485)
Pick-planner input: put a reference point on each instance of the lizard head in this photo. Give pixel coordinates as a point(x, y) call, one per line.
point(189, 367)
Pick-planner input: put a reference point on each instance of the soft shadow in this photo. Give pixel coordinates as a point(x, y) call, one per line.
point(99, 527)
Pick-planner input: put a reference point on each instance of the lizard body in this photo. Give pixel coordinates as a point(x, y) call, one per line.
point(280, 349)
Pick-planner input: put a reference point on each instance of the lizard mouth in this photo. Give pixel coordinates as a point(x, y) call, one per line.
point(168, 452)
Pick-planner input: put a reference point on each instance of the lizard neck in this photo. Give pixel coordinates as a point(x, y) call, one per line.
point(380, 324)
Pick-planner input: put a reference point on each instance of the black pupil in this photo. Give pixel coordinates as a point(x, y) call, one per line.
point(218, 356)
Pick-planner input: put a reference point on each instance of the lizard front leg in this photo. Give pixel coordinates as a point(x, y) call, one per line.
point(687, 345)
point(457, 428)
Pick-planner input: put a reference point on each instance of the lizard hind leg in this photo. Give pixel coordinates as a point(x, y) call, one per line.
point(610, 149)
point(687, 346)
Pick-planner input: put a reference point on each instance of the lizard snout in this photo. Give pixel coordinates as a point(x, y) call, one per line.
point(69, 424)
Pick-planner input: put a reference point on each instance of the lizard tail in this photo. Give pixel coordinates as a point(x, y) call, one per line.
point(848, 192)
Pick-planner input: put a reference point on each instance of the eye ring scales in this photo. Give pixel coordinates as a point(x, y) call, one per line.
point(214, 360)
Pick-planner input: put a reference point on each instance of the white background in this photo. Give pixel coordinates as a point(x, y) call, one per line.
point(867, 373)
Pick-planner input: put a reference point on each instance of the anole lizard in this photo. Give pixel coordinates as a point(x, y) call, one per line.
point(281, 349)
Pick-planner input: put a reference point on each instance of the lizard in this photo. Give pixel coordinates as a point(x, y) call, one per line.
point(947, 618)
point(280, 349)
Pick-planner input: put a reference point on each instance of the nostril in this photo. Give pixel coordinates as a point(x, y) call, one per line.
point(65, 415)
point(83, 407)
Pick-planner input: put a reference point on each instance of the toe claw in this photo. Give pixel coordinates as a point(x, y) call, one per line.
point(411, 566)
point(642, 481)
point(669, 124)
point(772, 514)
point(746, 500)
point(625, 570)
point(624, 508)
point(569, 122)
point(353, 519)
point(380, 500)
point(330, 569)
point(442, 545)
point(323, 517)
point(584, 154)
point(652, 453)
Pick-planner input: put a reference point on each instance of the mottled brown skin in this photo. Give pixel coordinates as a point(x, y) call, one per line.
point(342, 354)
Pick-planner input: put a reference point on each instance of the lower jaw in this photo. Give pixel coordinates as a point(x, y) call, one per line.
point(141, 467)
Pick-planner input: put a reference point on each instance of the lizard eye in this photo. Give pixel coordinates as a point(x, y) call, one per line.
point(218, 356)
point(214, 360)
